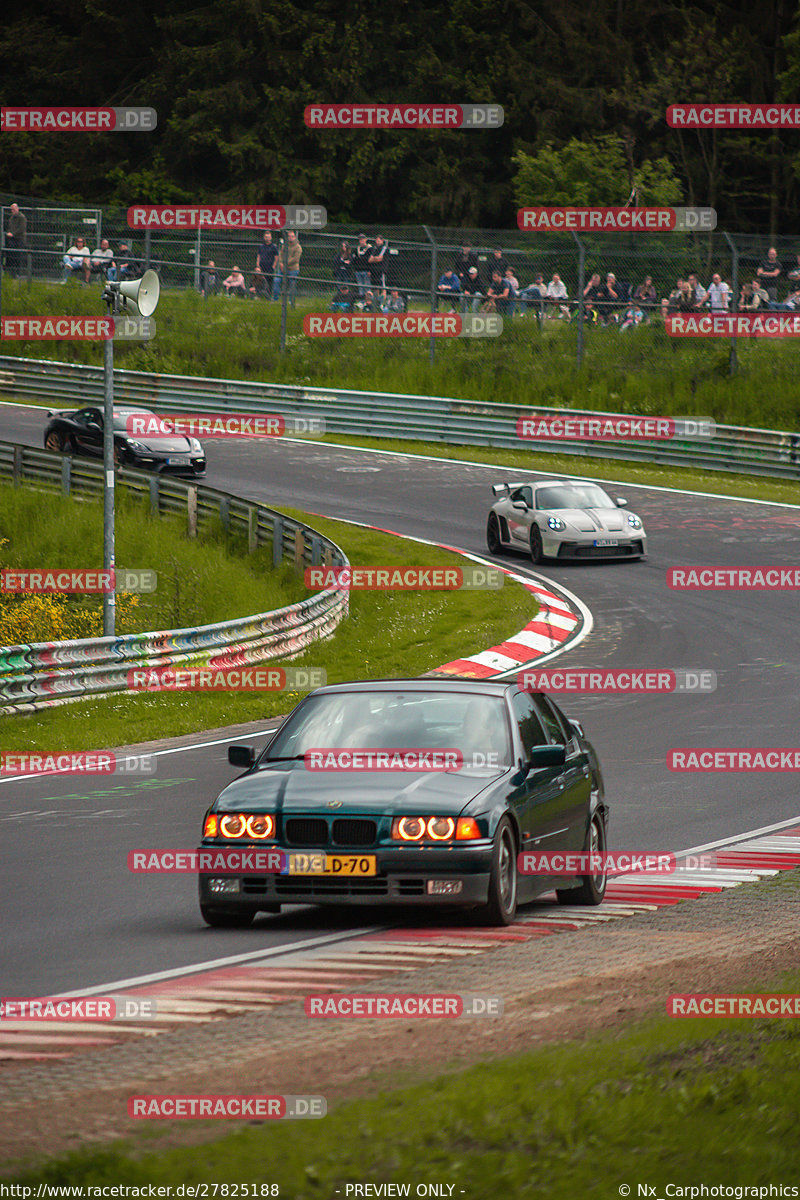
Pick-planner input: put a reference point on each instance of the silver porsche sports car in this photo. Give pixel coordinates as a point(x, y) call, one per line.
point(563, 518)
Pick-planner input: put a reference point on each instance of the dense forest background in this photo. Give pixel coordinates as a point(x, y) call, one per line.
point(584, 85)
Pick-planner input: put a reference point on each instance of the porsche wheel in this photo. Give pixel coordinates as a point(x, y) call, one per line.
point(56, 442)
point(501, 907)
point(593, 887)
point(493, 535)
point(537, 550)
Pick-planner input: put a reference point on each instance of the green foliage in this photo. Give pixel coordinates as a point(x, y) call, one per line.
point(591, 173)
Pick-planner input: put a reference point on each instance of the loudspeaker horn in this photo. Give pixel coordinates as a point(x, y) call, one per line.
point(142, 294)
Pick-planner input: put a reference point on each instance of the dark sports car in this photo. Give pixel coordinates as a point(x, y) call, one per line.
point(408, 792)
point(80, 431)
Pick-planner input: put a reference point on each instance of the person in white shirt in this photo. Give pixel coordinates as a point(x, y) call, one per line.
point(76, 261)
point(719, 294)
point(102, 258)
point(556, 291)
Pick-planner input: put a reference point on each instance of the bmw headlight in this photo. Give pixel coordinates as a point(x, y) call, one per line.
point(556, 523)
point(634, 521)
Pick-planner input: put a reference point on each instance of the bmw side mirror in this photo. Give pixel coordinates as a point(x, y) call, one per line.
point(241, 756)
point(548, 756)
point(621, 502)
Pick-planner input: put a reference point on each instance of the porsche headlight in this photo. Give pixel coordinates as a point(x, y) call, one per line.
point(196, 447)
point(140, 446)
point(556, 523)
point(634, 521)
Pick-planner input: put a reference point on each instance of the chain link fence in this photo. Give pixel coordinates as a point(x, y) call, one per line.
point(591, 288)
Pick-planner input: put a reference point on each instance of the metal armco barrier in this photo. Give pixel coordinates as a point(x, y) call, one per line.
point(383, 414)
point(46, 673)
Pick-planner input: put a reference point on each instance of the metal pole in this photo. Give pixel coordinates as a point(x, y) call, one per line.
point(432, 240)
point(109, 598)
point(2, 252)
point(197, 262)
point(733, 361)
point(581, 285)
point(284, 290)
point(147, 236)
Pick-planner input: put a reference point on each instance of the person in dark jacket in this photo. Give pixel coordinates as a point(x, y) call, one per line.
point(343, 264)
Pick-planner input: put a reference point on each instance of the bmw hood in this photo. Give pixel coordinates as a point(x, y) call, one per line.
point(291, 788)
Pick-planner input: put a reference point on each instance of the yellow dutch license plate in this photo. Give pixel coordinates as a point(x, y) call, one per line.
point(346, 865)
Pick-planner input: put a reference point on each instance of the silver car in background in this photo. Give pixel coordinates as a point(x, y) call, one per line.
point(565, 519)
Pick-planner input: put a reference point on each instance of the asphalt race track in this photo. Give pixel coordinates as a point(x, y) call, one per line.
point(73, 916)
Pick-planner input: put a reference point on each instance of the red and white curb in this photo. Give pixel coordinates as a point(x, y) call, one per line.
point(560, 624)
point(352, 962)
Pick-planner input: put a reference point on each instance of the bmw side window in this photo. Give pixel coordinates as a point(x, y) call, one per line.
point(553, 724)
point(530, 727)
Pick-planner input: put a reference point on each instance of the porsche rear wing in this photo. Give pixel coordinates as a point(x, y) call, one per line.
point(504, 489)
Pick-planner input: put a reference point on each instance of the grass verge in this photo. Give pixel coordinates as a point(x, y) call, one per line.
point(388, 634)
point(643, 371)
point(664, 1101)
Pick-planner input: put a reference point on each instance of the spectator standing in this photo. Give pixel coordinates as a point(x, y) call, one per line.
point(76, 261)
point(343, 264)
point(698, 292)
point(377, 263)
point(466, 258)
point(16, 239)
point(719, 294)
point(769, 272)
point(361, 263)
point(498, 263)
point(265, 261)
point(102, 258)
point(209, 280)
point(293, 250)
point(234, 285)
point(513, 290)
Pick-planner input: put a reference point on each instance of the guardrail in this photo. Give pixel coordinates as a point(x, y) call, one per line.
point(45, 673)
point(384, 414)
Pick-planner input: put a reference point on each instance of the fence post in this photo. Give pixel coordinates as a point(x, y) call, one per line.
point(225, 513)
point(66, 475)
point(16, 476)
point(252, 530)
point(154, 495)
point(432, 240)
point(197, 261)
point(299, 548)
point(733, 362)
point(277, 542)
point(581, 285)
point(191, 512)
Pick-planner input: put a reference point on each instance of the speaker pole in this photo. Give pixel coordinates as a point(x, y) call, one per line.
point(109, 598)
